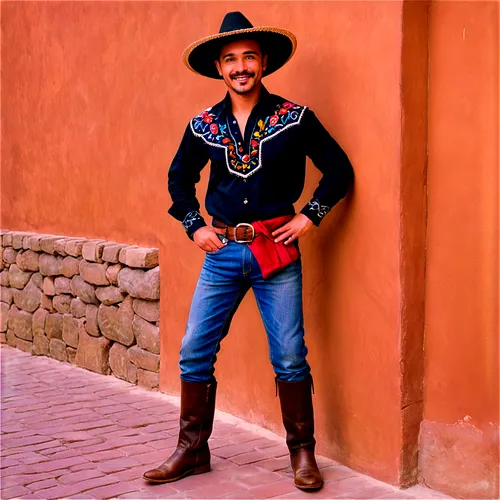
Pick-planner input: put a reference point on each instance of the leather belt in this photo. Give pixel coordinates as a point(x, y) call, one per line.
point(241, 233)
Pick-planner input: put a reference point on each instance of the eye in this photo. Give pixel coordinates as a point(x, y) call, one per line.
point(229, 59)
point(250, 57)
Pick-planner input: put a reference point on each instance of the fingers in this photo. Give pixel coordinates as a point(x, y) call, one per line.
point(206, 238)
point(281, 229)
point(285, 235)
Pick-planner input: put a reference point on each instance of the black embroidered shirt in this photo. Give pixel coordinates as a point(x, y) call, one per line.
point(260, 175)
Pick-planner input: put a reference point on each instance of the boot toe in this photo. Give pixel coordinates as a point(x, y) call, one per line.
point(308, 480)
point(152, 475)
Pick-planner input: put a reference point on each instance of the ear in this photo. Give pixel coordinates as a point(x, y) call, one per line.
point(264, 62)
point(217, 65)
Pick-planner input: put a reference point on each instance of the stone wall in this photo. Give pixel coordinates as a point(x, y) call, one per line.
point(92, 303)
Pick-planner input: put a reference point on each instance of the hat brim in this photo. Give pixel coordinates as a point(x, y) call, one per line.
point(279, 45)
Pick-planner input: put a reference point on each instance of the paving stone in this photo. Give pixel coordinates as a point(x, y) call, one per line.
point(57, 349)
point(62, 303)
point(92, 353)
point(28, 260)
point(28, 299)
point(109, 295)
point(147, 335)
point(54, 326)
point(140, 284)
point(147, 309)
point(62, 285)
point(70, 266)
point(44, 409)
point(18, 278)
point(91, 323)
point(115, 323)
point(144, 359)
point(78, 308)
point(83, 290)
point(112, 273)
point(50, 265)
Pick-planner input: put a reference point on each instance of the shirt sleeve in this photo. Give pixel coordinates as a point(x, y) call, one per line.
point(184, 173)
point(332, 162)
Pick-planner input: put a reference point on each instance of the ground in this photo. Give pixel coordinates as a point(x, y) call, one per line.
point(70, 433)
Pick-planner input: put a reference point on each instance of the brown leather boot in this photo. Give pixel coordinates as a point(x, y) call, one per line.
point(298, 419)
point(192, 455)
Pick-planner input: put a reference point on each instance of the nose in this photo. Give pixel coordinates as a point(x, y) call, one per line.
point(240, 65)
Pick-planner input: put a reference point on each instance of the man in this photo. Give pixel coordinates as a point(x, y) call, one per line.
point(257, 144)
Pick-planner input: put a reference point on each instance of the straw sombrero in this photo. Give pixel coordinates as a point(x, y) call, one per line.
point(279, 45)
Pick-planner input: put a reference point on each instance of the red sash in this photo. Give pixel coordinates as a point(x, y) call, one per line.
point(272, 257)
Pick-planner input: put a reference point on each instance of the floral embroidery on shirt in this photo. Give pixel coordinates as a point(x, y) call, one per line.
point(319, 210)
point(215, 132)
point(190, 219)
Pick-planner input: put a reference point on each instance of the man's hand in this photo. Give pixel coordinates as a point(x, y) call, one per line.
point(206, 238)
point(295, 228)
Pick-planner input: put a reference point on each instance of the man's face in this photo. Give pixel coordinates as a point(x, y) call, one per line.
point(241, 65)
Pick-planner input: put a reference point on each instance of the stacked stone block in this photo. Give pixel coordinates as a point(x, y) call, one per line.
point(93, 303)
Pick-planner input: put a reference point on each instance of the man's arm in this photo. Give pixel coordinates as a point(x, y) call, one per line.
point(184, 173)
point(338, 177)
point(332, 162)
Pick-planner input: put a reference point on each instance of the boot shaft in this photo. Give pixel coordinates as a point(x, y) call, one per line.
point(297, 412)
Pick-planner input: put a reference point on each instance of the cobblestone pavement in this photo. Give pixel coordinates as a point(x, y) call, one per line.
point(70, 433)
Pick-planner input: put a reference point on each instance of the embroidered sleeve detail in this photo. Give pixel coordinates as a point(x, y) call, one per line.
point(315, 211)
point(216, 132)
point(190, 219)
point(192, 222)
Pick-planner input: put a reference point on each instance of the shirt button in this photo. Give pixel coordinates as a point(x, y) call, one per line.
point(234, 121)
point(245, 201)
point(244, 180)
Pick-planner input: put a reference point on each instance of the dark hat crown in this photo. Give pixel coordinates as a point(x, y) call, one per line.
point(234, 21)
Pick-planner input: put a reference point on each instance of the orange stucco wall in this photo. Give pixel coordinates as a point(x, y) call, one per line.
point(95, 99)
point(462, 301)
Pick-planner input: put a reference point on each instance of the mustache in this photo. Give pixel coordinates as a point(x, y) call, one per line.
point(242, 73)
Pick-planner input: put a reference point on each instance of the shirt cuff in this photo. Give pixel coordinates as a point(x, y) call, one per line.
point(315, 211)
point(192, 222)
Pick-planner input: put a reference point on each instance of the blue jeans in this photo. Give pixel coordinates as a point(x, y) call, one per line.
point(226, 276)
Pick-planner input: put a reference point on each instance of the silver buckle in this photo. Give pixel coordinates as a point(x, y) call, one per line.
point(243, 224)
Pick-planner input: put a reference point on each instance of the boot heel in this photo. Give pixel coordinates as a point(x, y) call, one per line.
point(202, 469)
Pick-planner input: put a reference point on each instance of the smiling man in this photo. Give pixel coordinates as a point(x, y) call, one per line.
point(257, 144)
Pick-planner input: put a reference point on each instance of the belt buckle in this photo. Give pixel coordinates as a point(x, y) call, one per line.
point(243, 224)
